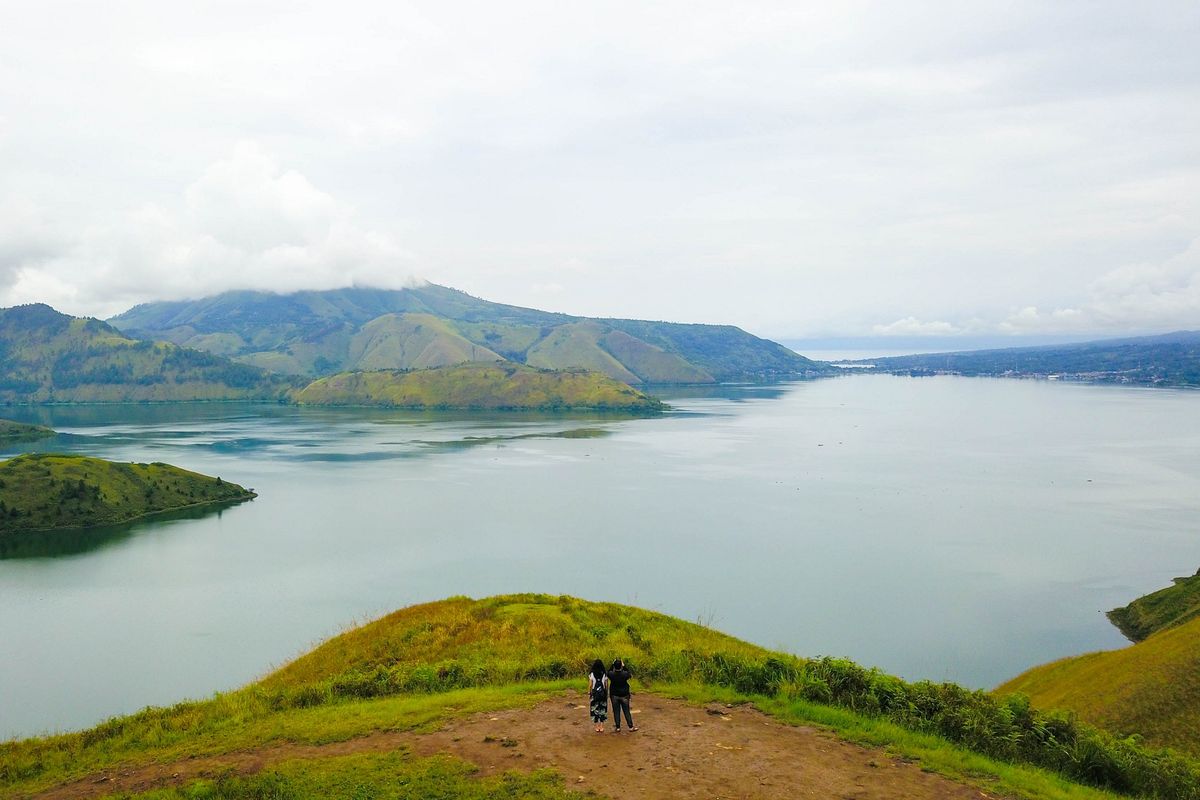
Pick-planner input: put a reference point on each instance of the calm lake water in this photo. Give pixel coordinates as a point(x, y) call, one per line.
point(943, 528)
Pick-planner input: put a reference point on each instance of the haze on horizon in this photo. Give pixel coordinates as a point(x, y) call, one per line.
point(865, 170)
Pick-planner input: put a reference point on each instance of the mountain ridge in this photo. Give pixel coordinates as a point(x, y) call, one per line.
point(312, 333)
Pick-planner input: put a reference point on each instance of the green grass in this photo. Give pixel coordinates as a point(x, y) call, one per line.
point(1150, 689)
point(494, 386)
point(417, 667)
point(1159, 610)
point(41, 491)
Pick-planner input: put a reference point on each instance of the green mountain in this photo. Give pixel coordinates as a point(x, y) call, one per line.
point(1171, 359)
point(321, 333)
point(45, 491)
point(13, 432)
point(490, 385)
point(47, 357)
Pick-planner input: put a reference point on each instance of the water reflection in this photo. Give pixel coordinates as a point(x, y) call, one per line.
point(76, 541)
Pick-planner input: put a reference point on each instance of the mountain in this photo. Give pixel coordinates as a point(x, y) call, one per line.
point(1171, 359)
point(46, 491)
point(496, 386)
point(46, 356)
point(321, 333)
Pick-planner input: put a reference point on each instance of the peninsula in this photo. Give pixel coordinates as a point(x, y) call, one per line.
point(14, 432)
point(41, 491)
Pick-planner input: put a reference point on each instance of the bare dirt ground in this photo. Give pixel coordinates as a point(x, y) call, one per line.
point(679, 751)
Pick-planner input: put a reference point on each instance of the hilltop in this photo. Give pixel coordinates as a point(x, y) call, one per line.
point(481, 698)
point(496, 386)
point(345, 330)
point(47, 491)
point(49, 357)
point(1171, 359)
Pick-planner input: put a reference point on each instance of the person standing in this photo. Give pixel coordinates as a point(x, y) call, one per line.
point(618, 689)
point(598, 695)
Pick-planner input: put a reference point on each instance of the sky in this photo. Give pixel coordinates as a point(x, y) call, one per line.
point(803, 170)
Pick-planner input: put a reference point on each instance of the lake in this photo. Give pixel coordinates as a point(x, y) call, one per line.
point(945, 528)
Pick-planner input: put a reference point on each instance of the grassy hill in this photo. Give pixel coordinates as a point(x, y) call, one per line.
point(490, 385)
point(48, 357)
point(341, 714)
point(13, 432)
point(1171, 359)
point(1151, 689)
point(1159, 610)
point(44, 491)
point(322, 333)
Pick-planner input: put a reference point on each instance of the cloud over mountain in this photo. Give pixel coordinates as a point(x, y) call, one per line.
point(245, 223)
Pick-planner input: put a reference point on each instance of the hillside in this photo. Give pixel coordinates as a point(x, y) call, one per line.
point(1151, 688)
point(491, 385)
point(45, 491)
point(1169, 360)
point(48, 357)
point(342, 330)
point(466, 698)
point(1159, 610)
point(13, 432)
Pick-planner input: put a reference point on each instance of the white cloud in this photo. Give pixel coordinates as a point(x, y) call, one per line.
point(911, 326)
point(1160, 296)
point(798, 169)
point(246, 223)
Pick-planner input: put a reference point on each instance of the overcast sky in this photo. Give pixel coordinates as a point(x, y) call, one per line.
point(799, 169)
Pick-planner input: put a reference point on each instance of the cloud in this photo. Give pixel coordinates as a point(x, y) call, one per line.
point(911, 326)
point(245, 223)
point(1145, 296)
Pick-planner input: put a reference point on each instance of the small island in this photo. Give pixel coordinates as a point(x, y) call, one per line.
point(492, 386)
point(42, 491)
point(13, 432)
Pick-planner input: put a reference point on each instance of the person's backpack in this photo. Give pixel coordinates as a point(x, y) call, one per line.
point(599, 693)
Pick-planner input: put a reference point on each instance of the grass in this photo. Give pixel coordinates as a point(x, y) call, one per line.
point(421, 665)
point(1150, 689)
point(483, 385)
point(1159, 610)
point(41, 491)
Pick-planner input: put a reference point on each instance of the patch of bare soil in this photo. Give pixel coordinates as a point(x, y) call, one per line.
point(679, 751)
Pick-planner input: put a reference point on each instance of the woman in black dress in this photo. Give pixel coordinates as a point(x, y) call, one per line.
point(618, 688)
point(598, 695)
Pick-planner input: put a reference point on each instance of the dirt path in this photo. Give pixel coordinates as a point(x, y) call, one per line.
point(680, 751)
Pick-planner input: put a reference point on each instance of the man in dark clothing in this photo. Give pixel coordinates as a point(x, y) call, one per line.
point(618, 692)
